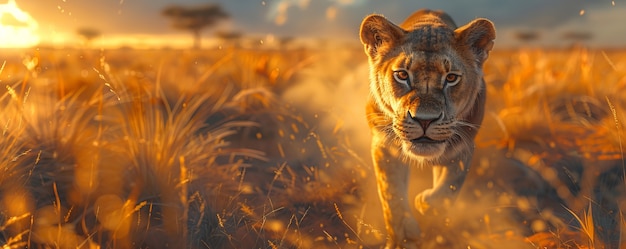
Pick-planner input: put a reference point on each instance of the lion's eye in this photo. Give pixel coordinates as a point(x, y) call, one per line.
point(452, 79)
point(401, 76)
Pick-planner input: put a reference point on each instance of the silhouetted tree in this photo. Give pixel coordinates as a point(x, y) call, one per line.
point(88, 34)
point(195, 19)
point(577, 37)
point(286, 41)
point(527, 36)
point(229, 37)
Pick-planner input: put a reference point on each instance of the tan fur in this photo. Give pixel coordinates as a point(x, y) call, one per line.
point(420, 111)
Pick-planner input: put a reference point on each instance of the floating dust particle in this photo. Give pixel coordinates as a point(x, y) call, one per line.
point(523, 204)
point(533, 160)
point(483, 166)
point(562, 191)
point(487, 220)
point(259, 135)
point(294, 127)
point(17, 204)
point(440, 239)
point(466, 234)
point(582, 12)
point(275, 225)
point(538, 226)
point(549, 174)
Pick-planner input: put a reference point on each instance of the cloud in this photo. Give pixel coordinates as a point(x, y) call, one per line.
point(327, 19)
point(348, 2)
point(279, 10)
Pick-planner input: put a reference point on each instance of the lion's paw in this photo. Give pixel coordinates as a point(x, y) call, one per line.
point(423, 201)
point(429, 202)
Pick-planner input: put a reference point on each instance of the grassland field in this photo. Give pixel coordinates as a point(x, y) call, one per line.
point(251, 148)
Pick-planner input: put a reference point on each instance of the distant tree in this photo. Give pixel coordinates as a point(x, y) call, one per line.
point(285, 41)
point(88, 34)
point(195, 19)
point(577, 37)
point(229, 37)
point(527, 36)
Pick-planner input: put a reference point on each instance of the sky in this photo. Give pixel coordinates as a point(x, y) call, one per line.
point(140, 21)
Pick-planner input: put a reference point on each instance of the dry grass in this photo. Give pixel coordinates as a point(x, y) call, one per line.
point(269, 149)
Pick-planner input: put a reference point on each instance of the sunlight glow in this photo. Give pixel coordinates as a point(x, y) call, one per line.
point(278, 11)
point(17, 28)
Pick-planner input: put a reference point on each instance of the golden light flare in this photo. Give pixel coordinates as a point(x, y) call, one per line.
point(331, 13)
point(281, 17)
point(17, 28)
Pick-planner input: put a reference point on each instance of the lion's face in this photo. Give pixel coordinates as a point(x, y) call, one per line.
point(426, 92)
point(426, 81)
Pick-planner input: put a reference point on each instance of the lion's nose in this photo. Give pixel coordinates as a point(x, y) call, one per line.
point(425, 119)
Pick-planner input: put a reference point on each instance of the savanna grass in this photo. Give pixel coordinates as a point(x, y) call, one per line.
point(240, 148)
point(559, 113)
point(141, 155)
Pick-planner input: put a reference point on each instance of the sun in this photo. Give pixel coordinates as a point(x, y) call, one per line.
point(17, 28)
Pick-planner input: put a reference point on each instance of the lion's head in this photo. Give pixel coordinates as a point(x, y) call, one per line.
point(426, 78)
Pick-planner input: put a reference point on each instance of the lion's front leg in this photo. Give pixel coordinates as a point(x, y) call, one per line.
point(392, 177)
point(447, 182)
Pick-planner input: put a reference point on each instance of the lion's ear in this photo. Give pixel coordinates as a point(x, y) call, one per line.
point(377, 31)
point(477, 36)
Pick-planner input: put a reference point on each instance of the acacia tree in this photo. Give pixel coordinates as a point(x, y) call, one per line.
point(286, 41)
point(229, 37)
point(88, 34)
point(527, 36)
point(195, 19)
point(578, 38)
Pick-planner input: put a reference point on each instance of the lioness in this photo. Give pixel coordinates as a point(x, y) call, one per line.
point(427, 99)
